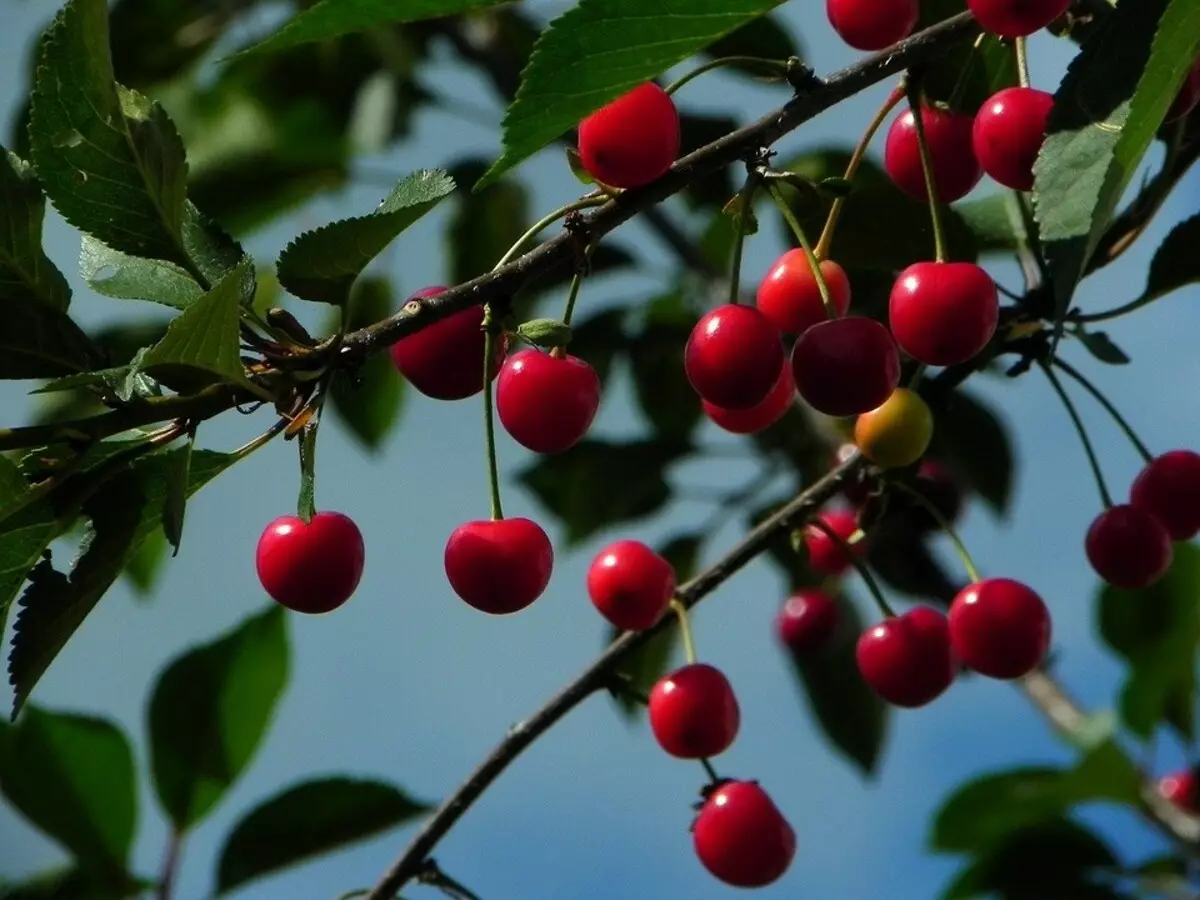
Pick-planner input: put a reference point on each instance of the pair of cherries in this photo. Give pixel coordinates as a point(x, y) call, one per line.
point(876, 24)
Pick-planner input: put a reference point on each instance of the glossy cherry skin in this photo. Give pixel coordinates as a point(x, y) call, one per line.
point(872, 24)
point(1169, 489)
point(769, 411)
point(1188, 97)
point(999, 628)
point(445, 360)
point(733, 357)
point(633, 140)
point(845, 367)
point(1128, 547)
point(1016, 18)
point(955, 169)
point(630, 584)
point(693, 712)
point(907, 659)
point(312, 568)
point(824, 556)
point(788, 294)
point(546, 403)
point(499, 566)
point(896, 433)
point(1009, 130)
point(741, 837)
point(1181, 789)
point(807, 622)
point(943, 314)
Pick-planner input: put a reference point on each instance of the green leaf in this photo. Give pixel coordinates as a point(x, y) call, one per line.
point(597, 484)
point(600, 338)
point(39, 341)
point(25, 270)
point(67, 883)
point(973, 437)
point(484, 225)
point(145, 565)
point(73, 777)
point(209, 711)
point(175, 503)
point(962, 73)
point(322, 265)
point(600, 49)
point(1101, 346)
point(307, 820)
point(1106, 113)
point(765, 38)
point(114, 274)
point(1156, 630)
point(306, 501)
point(24, 537)
point(656, 356)
point(995, 221)
point(1175, 262)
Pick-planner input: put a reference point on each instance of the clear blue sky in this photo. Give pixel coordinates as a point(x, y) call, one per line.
point(408, 684)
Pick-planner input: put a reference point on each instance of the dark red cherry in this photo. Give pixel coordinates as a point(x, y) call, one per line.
point(733, 357)
point(499, 566)
point(788, 294)
point(693, 712)
point(844, 367)
point(825, 556)
point(545, 402)
point(1188, 97)
point(1169, 489)
point(769, 411)
point(741, 837)
point(1128, 547)
point(311, 568)
point(1016, 18)
point(807, 622)
point(943, 314)
point(630, 584)
point(955, 169)
point(1181, 789)
point(999, 628)
point(633, 140)
point(1010, 129)
point(445, 360)
point(872, 24)
point(907, 659)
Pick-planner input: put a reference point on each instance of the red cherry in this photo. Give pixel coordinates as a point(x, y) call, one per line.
point(769, 411)
point(630, 584)
point(788, 294)
point(443, 361)
point(693, 712)
point(943, 314)
point(1180, 789)
point(872, 24)
point(499, 566)
point(311, 568)
point(1016, 18)
point(633, 140)
point(1128, 547)
point(733, 357)
point(824, 556)
point(948, 133)
point(741, 837)
point(907, 659)
point(1169, 489)
point(1010, 129)
point(999, 628)
point(807, 621)
point(847, 366)
point(1188, 97)
point(546, 403)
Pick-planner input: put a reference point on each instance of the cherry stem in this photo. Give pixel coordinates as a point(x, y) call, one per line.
point(1022, 62)
point(546, 221)
point(944, 524)
point(262, 440)
point(860, 153)
point(709, 770)
point(859, 566)
point(961, 84)
point(489, 424)
point(1091, 388)
point(746, 198)
point(813, 263)
point(771, 66)
point(1117, 312)
point(935, 207)
point(1105, 496)
point(689, 646)
point(576, 282)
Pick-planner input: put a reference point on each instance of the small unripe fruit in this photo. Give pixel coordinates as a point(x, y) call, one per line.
point(897, 433)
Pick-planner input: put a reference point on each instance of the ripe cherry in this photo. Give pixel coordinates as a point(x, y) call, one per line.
point(499, 566)
point(443, 361)
point(872, 24)
point(999, 628)
point(943, 314)
point(769, 411)
point(1181, 789)
point(907, 659)
point(1016, 18)
point(844, 367)
point(1188, 97)
point(693, 712)
point(630, 584)
point(1128, 547)
point(741, 837)
point(733, 357)
point(633, 140)
point(948, 133)
point(824, 556)
point(807, 622)
point(1010, 129)
point(896, 433)
point(1169, 489)
point(311, 568)
point(545, 402)
point(788, 294)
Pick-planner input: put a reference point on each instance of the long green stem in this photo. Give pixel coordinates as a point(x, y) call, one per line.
point(1022, 62)
point(1091, 388)
point(573, 293)
point(935, 206)
point(489, 416)
point(1093, 461)
point(746, 198)
point(814, 264)
point(859, 566)
point(545, 222)
point(685, 629)
point(944, 524)
point(771, 66)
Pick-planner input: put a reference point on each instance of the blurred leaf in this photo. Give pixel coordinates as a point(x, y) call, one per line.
point(67, 883)
point(209, 711)
point(1156, 630)
point(696, 131)
point(26, 273)
point(1101, 346)
point(1107, 110)
point(598, 50)
point(765, 37)
point(960, 72)
point(901, 558)
point(145, 566)
point(995, 221)
point(662, 388)
point(575, 163)
point(73, 777)
point(39, 341)
point(597, 484)
point(322, 265)
point(153, 40)
point(484, 224)
point(175, 502)
point(974, 439)
point(599, 338)
point(1175, 262)
point(716, 243)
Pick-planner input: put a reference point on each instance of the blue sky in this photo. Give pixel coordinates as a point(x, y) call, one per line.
point(407, 684)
